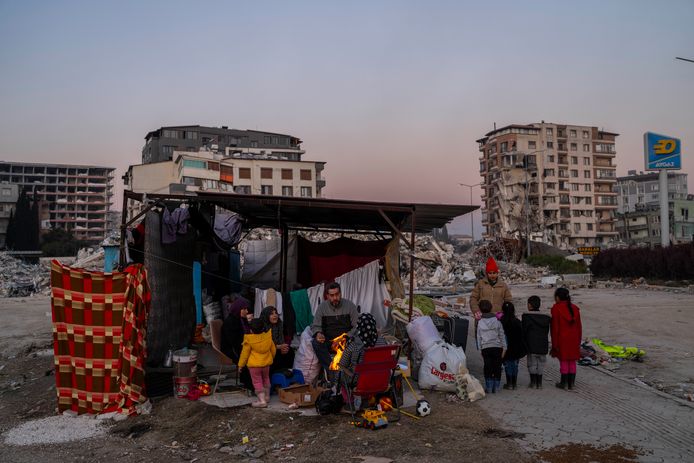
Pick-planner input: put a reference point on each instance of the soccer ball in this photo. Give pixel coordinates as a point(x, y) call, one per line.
point(423, 408)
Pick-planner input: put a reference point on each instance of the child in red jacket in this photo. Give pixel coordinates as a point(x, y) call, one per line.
point(566, 337)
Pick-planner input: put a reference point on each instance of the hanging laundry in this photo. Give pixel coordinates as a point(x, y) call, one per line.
point(228, 227)
point(263, 298)
point(364, 287)
point(302, 309)
point(316, 296)
point(174, 223)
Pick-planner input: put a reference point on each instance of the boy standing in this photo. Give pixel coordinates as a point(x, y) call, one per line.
point(492, 341)
point(535, 334)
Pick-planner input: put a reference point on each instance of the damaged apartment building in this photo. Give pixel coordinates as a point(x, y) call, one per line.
point(194, 158)
point(555, 181)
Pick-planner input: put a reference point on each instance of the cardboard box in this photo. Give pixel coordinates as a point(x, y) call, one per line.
point(303, 395)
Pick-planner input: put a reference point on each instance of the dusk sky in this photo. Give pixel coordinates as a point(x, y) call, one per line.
point(392, 95)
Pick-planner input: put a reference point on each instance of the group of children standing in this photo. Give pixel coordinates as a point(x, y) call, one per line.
point(504, 340)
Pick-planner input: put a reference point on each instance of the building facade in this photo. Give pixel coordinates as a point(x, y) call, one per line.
point(642, 190)
point(72, 197)
point(227, 172)
point(640, 227)
point(9, 194)
point(161, 144)
point(554, 180)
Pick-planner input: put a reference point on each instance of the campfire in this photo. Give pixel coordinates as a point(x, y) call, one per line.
point(339, 344)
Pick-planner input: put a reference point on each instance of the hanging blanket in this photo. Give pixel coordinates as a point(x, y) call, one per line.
point(99, 329)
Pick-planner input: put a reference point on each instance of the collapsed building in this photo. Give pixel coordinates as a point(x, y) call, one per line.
point(552, 182)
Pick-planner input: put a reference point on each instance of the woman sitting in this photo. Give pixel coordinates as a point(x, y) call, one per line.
point(284, 359)
point(235, 326)
point(366, 336)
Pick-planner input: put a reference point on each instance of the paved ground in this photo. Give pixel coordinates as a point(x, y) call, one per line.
point(604, 409)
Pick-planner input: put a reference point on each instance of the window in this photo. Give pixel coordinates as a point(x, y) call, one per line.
point(577, 227)
point(170, 134)
point(265, 189)
point(587, 187)
point(266, 172)
point(267, 140)
point(590, 226)
point(191, 135)
point(604, 148)
point(549, 173)
point(305, 174)
point(574, 147)
point(574, 187)
point(550, 132)
point(574, 173)
point(550, 158)
point(574, 159)
point(576, 213)
point(210, 184)
point(504, 147)
point(305, 191)
point(586, 173)
point(194, 164)
point(586, 148)
point(243, 189)
point(572, 133)
point(287, 190)
point(254, 144)
point(550, 144)
point(226, 174)
point(287, 174)
point(532, 145)
point(589, 200)
point(244, 172)
point(168, 150)
point(586, 161)
point(213, 166)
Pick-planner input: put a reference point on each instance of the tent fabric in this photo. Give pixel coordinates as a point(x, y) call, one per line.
point(99, 330)
point(364, 287)
point(302, 309)
point(323, 262)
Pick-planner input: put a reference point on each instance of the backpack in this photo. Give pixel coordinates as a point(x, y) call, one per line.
point(329, 403)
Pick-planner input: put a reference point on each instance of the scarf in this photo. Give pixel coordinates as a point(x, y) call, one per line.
point(277, 328)
point(235, 311)
point(366, 329)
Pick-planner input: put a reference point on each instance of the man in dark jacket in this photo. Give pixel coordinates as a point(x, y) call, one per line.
point(536, 336)
point(334, 317)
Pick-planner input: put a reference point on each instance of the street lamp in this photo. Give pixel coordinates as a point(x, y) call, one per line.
point(472, 213)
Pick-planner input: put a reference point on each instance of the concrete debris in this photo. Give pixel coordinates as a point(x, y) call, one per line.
point(22, 279)
point(54, 430)
point(91, 258)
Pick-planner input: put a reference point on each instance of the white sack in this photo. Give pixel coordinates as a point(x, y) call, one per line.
point(440, 366)
point(305, 358)
point(423, 333)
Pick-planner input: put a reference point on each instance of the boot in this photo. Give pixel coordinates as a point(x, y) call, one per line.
point(488, 386)
point(538, 381)
point(563, 383)
point(497, 385)
point(261, 402)
point(514, 382)
point(571, 380)
point(509, 382)
point(533, 380)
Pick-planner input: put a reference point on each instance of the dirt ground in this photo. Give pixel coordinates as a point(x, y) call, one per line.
point(179, 430)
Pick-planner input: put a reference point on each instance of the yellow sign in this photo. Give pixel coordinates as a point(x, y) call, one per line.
point(589, 250)
point(664, 146)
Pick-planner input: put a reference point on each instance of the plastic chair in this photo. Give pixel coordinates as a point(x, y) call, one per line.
point(375, 374)
point(216, 333)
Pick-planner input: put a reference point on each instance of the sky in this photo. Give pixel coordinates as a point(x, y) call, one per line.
point(391, 94)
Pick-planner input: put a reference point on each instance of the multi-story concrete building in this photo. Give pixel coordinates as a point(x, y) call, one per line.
point(230, 172)
point(72, 197)
point(564, 173)
point(642, 190)
point(641, 226)
point(9, 194)
point(160, 144)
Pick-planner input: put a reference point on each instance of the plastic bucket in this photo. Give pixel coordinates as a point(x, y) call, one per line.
point(183, 385)
point(185, 363)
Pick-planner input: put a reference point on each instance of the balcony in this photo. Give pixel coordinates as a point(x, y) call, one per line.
point(602, 163)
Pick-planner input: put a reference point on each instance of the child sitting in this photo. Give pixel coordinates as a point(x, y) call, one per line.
point(492, 341)
point(535, 334)
point(258, 353)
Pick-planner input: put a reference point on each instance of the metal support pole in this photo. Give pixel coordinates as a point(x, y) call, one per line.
point(664, 210)
point(412, 237)
point(123, 221)
point(284, 254)
point(527, 210)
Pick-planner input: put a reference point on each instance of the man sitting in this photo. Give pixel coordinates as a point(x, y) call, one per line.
point(334, 317)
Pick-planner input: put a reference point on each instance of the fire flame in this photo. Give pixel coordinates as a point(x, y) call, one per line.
point(338, 344)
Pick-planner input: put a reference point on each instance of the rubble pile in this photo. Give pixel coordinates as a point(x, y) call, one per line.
point(91, 258)
point(438, 264)
point(21, 279)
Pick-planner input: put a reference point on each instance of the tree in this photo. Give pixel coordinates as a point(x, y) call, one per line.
point(25, 226)
point(58, 242)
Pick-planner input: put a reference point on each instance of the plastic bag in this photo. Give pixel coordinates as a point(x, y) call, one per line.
point(305, 359)
point(423, 333)
point(475, 391)
point(440, 366)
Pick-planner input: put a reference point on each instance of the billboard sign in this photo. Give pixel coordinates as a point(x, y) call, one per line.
point(661, 152)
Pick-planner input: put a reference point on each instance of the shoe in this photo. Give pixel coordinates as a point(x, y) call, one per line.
point(261, 402)
point(533, 381)
point(538, 381)
point(497, 385)
point(514, 382)
point(571, 381)
point(563, 383)
point(509, 382)
point(488, 386)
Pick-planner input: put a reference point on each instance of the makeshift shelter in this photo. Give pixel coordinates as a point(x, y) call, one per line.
point(171, 266)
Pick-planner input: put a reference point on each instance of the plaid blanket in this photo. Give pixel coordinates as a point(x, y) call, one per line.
point(99, 330)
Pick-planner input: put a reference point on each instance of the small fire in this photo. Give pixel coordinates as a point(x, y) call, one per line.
point(338, 344)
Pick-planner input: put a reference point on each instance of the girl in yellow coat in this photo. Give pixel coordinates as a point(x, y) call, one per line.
point(258, 354)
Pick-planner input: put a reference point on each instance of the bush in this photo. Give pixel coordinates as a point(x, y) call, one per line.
point(671, 263)
point(58, 243)
point(557, 264)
